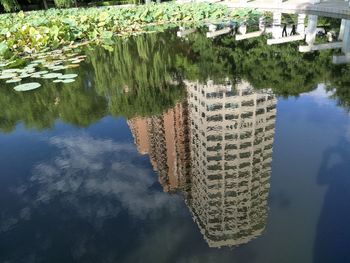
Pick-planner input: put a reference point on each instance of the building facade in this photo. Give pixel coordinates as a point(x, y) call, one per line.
point(216, 148)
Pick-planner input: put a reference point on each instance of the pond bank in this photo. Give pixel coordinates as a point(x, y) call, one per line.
point(32, 32)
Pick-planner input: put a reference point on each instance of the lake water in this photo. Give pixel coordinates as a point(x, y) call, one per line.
point(170, 149)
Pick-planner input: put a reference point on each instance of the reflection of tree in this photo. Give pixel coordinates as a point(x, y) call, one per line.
point(138, 76)
point(136, 79)
point(333, 235)
point(280, 67)
point(75, 104)
point(204, 60)
point(143, 76)
point(340, 85)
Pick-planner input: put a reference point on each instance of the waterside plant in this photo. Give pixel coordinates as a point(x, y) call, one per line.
point(32, 32)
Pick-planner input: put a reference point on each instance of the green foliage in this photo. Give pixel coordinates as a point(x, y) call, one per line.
point(340, 85)
point(137, 75)
point(9, 5)
point(64, 3)
point(279, 67)
point(136, 79)
point(34, 31)
point(144, 75)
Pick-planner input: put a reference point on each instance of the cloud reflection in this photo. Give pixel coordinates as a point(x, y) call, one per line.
point(88, 167)
point(95, 179)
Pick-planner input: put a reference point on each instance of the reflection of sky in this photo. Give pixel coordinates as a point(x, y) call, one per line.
point(87, 167)
point(92, 181)
point(320, 96)
point(93, 196)
point(348, 133)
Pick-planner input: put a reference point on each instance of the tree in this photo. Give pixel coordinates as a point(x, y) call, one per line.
point(9, 5)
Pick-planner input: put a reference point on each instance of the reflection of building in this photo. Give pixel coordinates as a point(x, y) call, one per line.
point(218, 151)
point(231, 152)
point(164, 139)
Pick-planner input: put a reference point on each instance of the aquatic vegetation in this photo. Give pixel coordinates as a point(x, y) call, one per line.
point(144, 76)
point(9, 5)
point(52, 61)
point(32, 32)
point(27, 86)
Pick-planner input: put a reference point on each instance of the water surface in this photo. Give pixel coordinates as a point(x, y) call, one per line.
point(180, 150)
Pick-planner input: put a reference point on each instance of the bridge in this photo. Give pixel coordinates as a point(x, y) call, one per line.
point(330, 8)
point(309, 9)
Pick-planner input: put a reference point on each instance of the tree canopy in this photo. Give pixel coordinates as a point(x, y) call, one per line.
point(144, 75)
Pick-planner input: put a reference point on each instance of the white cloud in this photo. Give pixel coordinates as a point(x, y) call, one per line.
point(320, 95)
point(109, 175)
point(101, 168)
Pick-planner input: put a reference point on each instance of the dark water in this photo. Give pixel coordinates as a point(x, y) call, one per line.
point(180, 150)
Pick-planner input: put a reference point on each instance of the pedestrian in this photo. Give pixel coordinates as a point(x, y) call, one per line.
point(293, 32)
point(284, 31)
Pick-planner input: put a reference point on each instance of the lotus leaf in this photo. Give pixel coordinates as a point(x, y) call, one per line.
point(27, 86)
point(51, 75)
point(11, 70)
point(13, 80)
point(8, 76)
point(68, 76)
point(42, 72)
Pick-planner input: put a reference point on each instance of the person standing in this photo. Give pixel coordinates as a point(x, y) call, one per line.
point(293, 32)
point(284, 31)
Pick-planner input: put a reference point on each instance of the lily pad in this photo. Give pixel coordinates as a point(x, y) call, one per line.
point(67, 80)
point(73, 66)
point(27, 86)
point(25, 75)
point(32, 65)
point(56, 68)
point(11, 70)
point(37, 76)
point(42, 72)
point(13, 80)
point(72, 55)
point(8, 76)
point(29, 70)
point(76, 61)
point(68, 76)
point(52, 76)
point(39, 61)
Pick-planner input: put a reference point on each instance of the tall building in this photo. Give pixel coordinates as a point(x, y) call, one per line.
point(165, 139)
point(231, 139)
point(216, 148)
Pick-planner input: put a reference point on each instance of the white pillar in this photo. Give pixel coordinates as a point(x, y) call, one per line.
point(346, 37)
point(301, 24)
point(311, 29)
point(276, 25)
point(242, 29)
point(262, 23)
point(212, 27)
point(341, 30)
